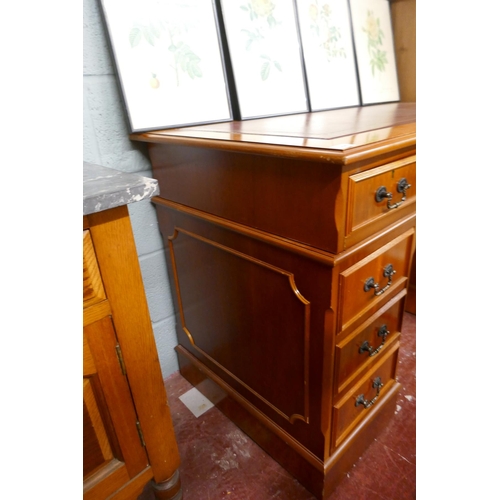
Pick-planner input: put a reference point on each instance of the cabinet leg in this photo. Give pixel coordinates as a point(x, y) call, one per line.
point(170, 489)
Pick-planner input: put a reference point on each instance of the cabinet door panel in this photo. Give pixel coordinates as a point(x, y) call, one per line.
point(105, 481)
point(96, 445)
point(113, 452)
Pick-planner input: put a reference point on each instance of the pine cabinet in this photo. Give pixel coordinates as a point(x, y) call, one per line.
point(128, 436)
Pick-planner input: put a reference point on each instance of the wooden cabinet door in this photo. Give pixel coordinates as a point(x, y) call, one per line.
point(112, 449)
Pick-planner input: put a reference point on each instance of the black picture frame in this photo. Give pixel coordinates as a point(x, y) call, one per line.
point(169, 62)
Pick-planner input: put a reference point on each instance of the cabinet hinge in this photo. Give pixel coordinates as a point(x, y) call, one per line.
point(120, 359)
point(139, 430)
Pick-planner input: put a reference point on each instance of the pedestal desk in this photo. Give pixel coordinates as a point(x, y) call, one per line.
point(290, 245)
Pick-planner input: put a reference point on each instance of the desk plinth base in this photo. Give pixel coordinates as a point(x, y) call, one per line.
point(319, 480)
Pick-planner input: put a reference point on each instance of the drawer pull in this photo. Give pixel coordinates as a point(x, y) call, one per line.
point(389, 272)
point(382, 193)
point(365, 346)
point(360, 400)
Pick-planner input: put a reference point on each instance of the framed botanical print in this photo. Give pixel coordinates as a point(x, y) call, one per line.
point(266, 60)
point(325, 28)
point(169, 62)
point(373, 38)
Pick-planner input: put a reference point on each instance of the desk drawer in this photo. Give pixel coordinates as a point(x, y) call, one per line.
point(370, 281)
point(380, 196)
point(369, 342)
point(356, 404)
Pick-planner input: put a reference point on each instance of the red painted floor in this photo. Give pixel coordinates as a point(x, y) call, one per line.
point(221, 462)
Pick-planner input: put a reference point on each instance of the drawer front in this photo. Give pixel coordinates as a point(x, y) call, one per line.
point(368, 342)
point(372, 280)
point(380, 196)
point(93, 289)
point(355, 406)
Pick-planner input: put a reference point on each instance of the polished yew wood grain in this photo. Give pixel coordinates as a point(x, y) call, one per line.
point(357, 442)
point(336, 137)
point(210, 327)
point(272, 316)
point(354, 300)
point(291, 199)
point(411, 301)
point(271, 239)
point(346, 415)
point(272, 230)
point(196, 371)
point(202, 262)
point(300, 195)
point(252, 323)
point(325, 125)
point(284, 198)
point(350, 358)
point(362, 207)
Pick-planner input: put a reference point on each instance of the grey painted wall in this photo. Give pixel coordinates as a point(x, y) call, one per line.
point(106, 143)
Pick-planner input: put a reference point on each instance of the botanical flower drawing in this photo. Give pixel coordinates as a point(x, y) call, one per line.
point(183, 58)
point(329, 35)
point(262, 20)
point(378, 58)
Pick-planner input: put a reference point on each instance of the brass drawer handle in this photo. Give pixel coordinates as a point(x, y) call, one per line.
point(389, 272)
point(382, 193)
point(360, 400)
point(365, 346)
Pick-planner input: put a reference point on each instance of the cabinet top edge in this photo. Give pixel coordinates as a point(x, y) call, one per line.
point(105, 188)
point(337, 135)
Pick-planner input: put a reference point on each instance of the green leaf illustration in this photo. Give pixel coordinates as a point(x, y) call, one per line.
point(134, 37)
point(265, 70)
point(186, 59)
point(334, 33)
point(262, 21)
point(329, 36)
point(154, 30)
point(248, 8)
point(378, 58)
point(271, 20)
point(251, 37)
point(148, 35)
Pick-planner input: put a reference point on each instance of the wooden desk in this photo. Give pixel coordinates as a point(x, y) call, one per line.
point(291, 242)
